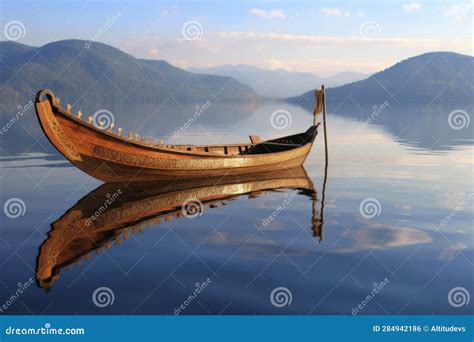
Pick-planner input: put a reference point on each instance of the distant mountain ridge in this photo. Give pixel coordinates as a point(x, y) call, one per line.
point(279, 82)
point(104, 73)
point(433, 76)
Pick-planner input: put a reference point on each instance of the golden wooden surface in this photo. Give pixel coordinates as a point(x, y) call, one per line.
point(80, 232)
point(112, 158)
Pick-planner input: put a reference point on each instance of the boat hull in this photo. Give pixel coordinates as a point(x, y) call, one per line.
point(112, 158)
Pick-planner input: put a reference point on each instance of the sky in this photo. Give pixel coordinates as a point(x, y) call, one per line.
point(322, 37)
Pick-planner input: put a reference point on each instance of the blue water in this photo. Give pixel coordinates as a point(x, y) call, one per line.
point(419, 176)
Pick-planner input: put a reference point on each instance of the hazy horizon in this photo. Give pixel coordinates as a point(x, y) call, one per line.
point(259, 67)
point(324, 38)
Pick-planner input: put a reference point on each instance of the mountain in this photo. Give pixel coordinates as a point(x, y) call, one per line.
point(100, 73)
point(10, 51)
point(434, 76)
point(279, 82)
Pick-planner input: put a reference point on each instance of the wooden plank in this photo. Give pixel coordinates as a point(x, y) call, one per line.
point(255, 139)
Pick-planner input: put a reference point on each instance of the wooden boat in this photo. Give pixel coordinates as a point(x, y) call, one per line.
point(81, 231)
point(110, 157)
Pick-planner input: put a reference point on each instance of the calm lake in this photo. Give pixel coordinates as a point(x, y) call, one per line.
point(396, 235)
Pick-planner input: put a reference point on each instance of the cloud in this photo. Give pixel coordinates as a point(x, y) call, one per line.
point(453, 250)
point(169, 11)
point(310, 53)
point(331, 65)
point(459, 12)
point(379, 237)
point(411, 7)
point(153, 52)
point(273, 63)
point(330, 11)
point(360, 14)
point(334, 11)
point(257, 12)
point(427, 43)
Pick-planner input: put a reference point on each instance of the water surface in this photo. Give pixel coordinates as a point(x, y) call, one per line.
point(408, 163)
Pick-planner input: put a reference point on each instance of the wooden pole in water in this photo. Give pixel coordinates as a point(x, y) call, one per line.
point(326, 162)
point(321, 219)
point(324, 123)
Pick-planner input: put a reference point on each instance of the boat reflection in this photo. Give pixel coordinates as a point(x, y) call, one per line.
point(111, 212)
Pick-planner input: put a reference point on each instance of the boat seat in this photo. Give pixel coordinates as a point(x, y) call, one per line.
point(255, 139)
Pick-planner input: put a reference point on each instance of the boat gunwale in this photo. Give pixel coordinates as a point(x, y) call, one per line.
point(156, 148)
